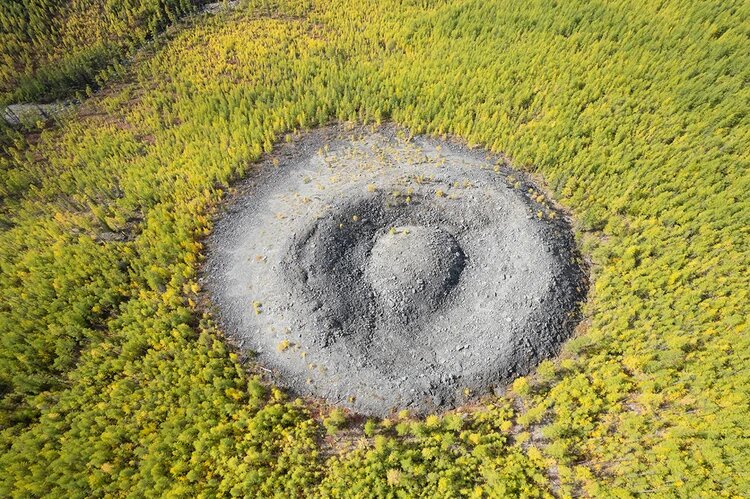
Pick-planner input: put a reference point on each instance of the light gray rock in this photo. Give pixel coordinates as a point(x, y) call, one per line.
point(30, 114)
point(408, 281)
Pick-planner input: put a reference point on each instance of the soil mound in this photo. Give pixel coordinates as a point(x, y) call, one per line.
point(383, 273)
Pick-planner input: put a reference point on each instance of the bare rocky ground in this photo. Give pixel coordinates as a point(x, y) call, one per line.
point(30, 114)
point(382, 272)
point(216, 7)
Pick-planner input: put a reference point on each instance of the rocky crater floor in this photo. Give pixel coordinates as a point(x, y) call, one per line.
point(381, 272)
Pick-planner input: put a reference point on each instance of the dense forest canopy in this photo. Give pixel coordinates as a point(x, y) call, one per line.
point(51, 49)
point(115, 379)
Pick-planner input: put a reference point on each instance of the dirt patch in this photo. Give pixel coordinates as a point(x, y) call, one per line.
point(382, 273)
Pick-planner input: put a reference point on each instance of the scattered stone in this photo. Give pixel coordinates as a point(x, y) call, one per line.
point(420, 288)
point(30, 114)
point(216, 7)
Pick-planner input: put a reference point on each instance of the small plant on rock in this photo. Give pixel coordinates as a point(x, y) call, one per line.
point(335, 421)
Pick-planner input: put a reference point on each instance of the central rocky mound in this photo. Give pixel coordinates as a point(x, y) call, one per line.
point(384, 272)
point(411, 269)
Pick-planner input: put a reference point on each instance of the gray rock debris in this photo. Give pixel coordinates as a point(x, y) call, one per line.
point(216, 7)
point(390, 273)
point(30, 114)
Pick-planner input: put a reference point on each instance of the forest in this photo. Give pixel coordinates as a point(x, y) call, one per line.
point(51, 49)
point(115, 378)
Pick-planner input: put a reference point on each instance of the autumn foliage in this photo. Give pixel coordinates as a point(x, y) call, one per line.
point(115, 381)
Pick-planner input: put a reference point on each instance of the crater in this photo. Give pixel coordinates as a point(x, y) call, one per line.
point(383, 272)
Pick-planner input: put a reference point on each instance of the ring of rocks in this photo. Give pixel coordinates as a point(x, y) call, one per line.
point(382, 271)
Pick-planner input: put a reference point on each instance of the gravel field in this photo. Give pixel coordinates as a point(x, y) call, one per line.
point(380, 271)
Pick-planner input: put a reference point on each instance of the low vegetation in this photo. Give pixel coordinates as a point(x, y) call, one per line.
point(51, 49)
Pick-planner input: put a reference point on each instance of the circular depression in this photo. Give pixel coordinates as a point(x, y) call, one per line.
point(383, 273)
